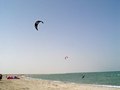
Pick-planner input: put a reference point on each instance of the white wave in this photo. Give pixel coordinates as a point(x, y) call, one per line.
point(110, 86)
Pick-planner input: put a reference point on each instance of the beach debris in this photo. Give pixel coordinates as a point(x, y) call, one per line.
point(36, 24)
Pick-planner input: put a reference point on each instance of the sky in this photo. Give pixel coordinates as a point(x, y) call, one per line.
point(87, 31)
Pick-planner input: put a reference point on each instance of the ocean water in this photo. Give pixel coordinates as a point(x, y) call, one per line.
point(97, 78)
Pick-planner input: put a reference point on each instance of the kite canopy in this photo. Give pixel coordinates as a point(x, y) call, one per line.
point(36, 24)
point(66, 57)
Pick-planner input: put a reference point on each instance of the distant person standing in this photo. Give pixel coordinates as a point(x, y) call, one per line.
point(0, 76)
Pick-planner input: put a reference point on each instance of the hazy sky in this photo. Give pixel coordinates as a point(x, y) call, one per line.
point(87, 31)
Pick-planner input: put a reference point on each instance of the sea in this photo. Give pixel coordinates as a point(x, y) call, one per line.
point(107, 79)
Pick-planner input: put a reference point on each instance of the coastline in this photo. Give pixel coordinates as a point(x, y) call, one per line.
point(25, 83)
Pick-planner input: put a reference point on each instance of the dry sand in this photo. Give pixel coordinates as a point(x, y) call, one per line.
point(31, 84)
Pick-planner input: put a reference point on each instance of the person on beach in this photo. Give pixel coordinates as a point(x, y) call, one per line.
point(0, 76)
point(83, 76)
point(12, 77)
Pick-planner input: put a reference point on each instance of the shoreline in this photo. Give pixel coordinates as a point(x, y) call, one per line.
point(25, 83)
point(98, 85)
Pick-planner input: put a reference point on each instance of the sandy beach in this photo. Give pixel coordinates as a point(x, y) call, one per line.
point(32, 84)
